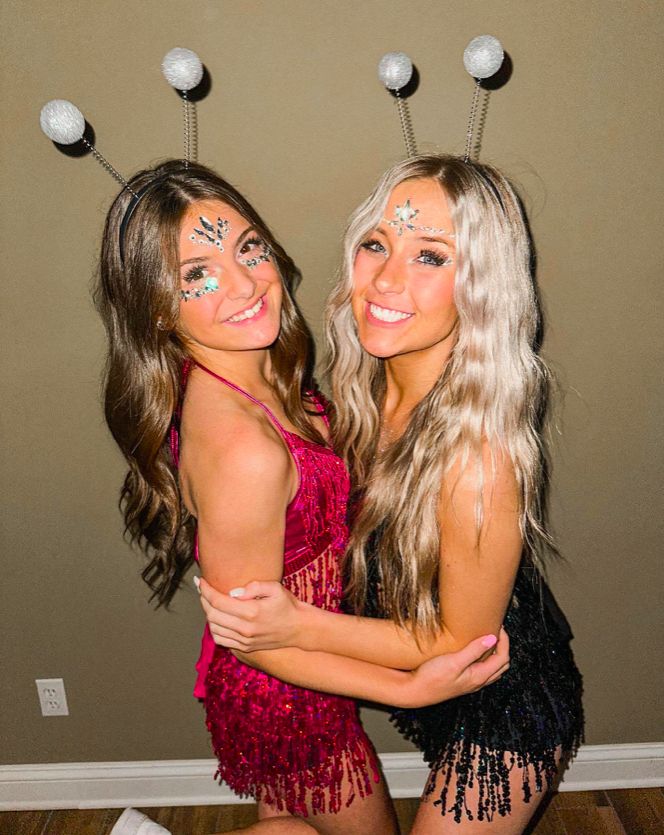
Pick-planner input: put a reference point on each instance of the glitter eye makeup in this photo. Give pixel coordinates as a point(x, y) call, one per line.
point(252, 263)
point(403, 217)
point(256, 260)
point(210, 235)
point(211, 286)
point(434, 259)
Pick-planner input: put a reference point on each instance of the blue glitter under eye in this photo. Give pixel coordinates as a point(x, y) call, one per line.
point(211, 286)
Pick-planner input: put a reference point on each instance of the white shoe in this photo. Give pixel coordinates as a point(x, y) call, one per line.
point(133, 822)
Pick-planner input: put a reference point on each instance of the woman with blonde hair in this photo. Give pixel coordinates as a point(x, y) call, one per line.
point(209, 395)
point(439, 396)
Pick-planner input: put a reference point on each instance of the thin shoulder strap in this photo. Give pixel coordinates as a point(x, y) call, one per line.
point(285, 435)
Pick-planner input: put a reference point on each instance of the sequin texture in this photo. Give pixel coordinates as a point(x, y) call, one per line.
point(524, 721)
point(290, 747)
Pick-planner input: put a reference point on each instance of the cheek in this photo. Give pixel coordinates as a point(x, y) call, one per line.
point(439, 296)
point(197, 313)
point(364, 267)
point(361, 278)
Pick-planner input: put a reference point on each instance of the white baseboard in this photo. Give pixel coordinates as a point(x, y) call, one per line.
point(189, 782)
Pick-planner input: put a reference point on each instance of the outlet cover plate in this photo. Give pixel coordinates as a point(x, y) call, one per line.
point(52, 696)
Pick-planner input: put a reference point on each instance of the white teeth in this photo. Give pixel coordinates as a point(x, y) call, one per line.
point(386, 315)
point(247, 314)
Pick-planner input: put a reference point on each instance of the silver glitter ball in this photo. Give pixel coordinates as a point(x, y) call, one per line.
point(395, 70)
point(483, 56)
point(62, 121)
point(182, 68)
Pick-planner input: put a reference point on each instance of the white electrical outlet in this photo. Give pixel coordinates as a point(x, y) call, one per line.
point(52, 696)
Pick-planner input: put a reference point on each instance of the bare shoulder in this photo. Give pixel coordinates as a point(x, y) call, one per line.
point(490, 475)
point(230, 447)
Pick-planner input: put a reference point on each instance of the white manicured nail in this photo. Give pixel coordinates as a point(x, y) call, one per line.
point(197, 583)
point(236, 592)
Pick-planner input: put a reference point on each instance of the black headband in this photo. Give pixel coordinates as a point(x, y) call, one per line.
point(131, 208)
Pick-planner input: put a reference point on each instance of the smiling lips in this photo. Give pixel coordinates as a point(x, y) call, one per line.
point(248, 313)
point(386, 314)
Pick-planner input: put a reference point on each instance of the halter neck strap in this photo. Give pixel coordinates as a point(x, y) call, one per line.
point(284, 433)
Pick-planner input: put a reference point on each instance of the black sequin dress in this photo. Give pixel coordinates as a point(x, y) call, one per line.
point(522, 721)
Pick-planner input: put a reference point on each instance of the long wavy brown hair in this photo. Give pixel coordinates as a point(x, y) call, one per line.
point(137, 297)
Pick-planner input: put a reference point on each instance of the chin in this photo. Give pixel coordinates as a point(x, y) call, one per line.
point(260, 338)
point(380, 348)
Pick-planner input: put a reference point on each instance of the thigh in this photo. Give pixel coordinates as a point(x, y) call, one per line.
point(368, 815)
point(430, 820)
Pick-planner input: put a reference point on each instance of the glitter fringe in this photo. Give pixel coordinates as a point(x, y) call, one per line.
point(531, 719)
point(472, 757)
point(317, 582)
point(289, 747)
point(302, 787)
point(474, 766)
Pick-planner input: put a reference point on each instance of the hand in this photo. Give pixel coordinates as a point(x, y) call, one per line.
point(262, 616)
point(458, 673)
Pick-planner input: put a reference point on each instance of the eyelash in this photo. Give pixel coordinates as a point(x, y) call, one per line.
point(436, 259)
point(372, 245)
point(254, 241)
point(195, 274)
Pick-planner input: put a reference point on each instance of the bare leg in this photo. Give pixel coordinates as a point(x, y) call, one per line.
point(430, 821)
point(365, 816)
point(280, 825)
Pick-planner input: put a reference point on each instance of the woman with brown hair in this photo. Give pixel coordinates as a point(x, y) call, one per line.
point(440, 395)
point(209, 394)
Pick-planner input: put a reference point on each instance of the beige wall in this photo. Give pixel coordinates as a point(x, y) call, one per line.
point(297, 119)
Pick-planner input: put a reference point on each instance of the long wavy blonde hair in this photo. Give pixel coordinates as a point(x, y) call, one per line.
point(491, 389)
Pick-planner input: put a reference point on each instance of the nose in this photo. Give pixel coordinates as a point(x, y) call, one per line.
point(240, 283)
point(388, 278)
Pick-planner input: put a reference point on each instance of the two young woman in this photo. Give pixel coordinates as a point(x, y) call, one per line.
point(439, 395)
point(210, 397)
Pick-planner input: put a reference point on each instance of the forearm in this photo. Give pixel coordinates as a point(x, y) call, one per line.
point(338, 675)
point(375, 640)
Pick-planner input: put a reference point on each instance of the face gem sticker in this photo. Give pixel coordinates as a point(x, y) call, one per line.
point(209, 235)
point(252, 263)
point(211, 286)
point(403, 217)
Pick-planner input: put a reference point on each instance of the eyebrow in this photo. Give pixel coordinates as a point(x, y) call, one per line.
point(437, 240)
point(246, 232)
point(426, 238)
point(200, 260)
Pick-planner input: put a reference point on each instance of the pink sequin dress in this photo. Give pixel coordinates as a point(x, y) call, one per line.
point(289, 747)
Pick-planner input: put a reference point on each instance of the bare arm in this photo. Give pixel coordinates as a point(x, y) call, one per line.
point(239, 482)
point(476, 577)
point(441, 678)
point(240, 487)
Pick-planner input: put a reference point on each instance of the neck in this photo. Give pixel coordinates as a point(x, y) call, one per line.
point(409, 378)
point(250, 370)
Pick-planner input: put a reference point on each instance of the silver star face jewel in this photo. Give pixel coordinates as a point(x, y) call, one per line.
point(403, 217)
point(209, 235)
point(211, 286)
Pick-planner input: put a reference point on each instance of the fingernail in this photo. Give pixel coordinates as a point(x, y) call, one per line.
point(489, 641)
point(197, 583)
point(236, 592)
